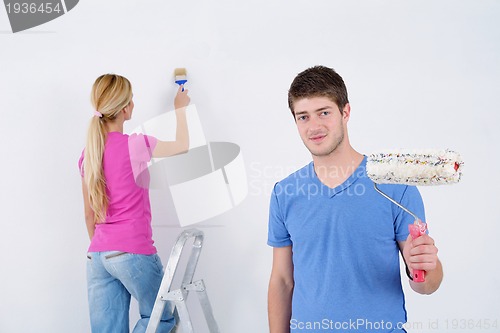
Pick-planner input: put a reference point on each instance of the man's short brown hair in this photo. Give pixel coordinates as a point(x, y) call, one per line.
point(318, 81)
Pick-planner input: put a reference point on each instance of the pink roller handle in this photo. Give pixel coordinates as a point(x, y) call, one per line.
point(416, 230)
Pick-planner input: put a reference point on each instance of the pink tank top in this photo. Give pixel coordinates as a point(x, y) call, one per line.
point(128, 218)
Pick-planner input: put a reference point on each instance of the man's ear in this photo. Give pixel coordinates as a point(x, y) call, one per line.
point(346, 111)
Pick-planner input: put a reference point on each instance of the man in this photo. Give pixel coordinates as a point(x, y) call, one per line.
point(336, 241)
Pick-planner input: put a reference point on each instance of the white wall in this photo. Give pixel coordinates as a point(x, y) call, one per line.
point(419, 73)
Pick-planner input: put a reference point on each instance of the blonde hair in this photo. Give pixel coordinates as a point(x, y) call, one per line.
point(110, 94)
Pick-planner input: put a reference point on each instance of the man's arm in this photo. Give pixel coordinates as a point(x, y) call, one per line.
point(280, 290)
point(421, 253)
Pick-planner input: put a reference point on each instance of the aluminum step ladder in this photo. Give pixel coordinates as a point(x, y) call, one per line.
point(179, 296)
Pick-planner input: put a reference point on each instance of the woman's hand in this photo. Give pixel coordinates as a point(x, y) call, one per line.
point(181, 99)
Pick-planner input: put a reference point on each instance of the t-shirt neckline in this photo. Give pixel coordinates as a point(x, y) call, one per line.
point(331, 192)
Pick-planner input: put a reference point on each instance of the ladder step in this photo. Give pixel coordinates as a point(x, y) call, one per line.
point(179, 296)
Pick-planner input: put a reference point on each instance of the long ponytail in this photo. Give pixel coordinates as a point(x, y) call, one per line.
point(110, 94)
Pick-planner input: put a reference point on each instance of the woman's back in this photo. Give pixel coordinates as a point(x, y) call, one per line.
point(127, 226)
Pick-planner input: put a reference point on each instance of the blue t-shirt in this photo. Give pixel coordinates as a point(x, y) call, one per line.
point(345, 250)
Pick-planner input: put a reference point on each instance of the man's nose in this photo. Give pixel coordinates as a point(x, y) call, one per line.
point(314, 123)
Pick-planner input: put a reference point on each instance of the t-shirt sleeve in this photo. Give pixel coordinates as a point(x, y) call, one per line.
point(80, 163)
point(412, 200)
point(141, 147)
point(278, 235)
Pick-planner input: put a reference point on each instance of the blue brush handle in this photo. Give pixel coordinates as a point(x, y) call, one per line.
point(181, 82)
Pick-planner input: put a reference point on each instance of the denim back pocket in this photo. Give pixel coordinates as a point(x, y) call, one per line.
point(114, 254)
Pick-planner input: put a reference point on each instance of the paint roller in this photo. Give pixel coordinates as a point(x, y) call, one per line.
point(417, 167)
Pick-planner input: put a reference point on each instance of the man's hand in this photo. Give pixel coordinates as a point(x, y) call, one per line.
point(421, 253)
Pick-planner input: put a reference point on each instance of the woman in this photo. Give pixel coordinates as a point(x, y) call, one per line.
point(122, 259)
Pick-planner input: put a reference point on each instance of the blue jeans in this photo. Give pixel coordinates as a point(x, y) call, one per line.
point(112, 277)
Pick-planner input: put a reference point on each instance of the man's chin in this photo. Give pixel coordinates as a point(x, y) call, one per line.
point(320, 152)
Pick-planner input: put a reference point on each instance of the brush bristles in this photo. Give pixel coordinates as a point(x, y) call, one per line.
point(180, 72)
point(417, 167)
